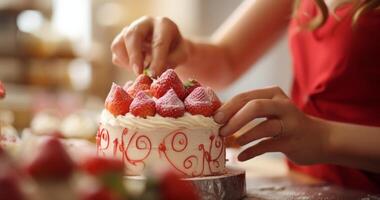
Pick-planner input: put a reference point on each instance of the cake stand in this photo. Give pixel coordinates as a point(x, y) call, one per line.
point(229, 186)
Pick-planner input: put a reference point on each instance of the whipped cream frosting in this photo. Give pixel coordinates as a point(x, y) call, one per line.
point(188, 121)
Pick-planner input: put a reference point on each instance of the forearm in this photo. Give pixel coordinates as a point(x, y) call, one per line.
point(238, 43)
point(352, 145)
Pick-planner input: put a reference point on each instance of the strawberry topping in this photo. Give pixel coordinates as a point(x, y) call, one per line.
point(215, 101)
point(170, 105)
point(141, 83)
point(190, 85)
point(127, 85)
point(198, 102)
point(165, 82)
point(118, 101)
point(143, 105)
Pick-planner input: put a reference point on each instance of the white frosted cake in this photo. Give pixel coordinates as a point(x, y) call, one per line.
point(190, 143)
point(179, 133)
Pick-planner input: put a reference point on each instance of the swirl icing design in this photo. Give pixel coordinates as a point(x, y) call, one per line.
point(189, 144)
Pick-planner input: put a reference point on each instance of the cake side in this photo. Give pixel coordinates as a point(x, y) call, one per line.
point(149, 123)
point(189, 144)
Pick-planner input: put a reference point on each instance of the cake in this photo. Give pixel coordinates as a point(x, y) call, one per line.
point(162, 122)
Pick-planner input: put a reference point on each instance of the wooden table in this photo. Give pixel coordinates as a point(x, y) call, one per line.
point(268, 178)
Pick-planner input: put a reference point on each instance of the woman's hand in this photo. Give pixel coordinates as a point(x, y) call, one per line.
point(153, 42)
point(286, 129)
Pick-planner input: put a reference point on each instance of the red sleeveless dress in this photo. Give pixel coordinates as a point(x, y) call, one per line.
point(337, 77)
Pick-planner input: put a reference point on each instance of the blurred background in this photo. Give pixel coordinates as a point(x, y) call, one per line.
point(55, 57)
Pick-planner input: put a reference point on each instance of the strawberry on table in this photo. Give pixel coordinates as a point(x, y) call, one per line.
point(170, 105)
point(165, 82)
point(215, 101)
point(118, 101)
point(172, 187)
point(109, 172)
point(143, 105)
point(141, 83)
point(99, 165)
point(51, 161)
point(190, 85)
point(10, 178)
point(198, 102)
point(10, 186)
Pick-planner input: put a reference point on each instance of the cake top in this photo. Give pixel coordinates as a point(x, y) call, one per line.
point(166, 96)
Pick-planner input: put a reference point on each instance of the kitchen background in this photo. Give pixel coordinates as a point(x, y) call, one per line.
point(55, 60)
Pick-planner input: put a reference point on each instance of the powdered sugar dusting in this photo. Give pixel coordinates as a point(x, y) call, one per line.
point(170, 100)
point(198, 96)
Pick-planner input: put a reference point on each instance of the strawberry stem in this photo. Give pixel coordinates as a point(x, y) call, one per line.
point(147, 72)
point(188, 83)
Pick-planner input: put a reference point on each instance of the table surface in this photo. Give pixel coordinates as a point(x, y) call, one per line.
point(268, 178)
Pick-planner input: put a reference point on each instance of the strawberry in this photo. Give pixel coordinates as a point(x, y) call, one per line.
point(170, 105)
point(98, 165)
point(215, 101)
point(118, 101)
point(51, 161)
point(143, 105)
point(190, 85)
point(172, 187)
point(198, 102)
point(10, 178)
point(110, 174)
point(141, 83)
point(167, 80)
point(10, 186)
point(2, 90)
point(127, 85)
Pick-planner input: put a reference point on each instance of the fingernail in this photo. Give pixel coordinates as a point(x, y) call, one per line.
point(135, 68)
point(218, 117)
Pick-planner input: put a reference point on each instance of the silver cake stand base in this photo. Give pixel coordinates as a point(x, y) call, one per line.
point(229, 186)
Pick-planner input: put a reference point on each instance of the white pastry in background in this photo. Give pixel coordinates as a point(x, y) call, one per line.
point(45, 123)
point(79, 148)
point(79, 125)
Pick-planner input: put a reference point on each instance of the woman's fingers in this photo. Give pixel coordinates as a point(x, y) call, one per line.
point(153, 42)
point(264, 146)
point(253, 109)
point(119, 53)
point(236, 103)
point(268, 128)
point(134, 38)
point(164, 35)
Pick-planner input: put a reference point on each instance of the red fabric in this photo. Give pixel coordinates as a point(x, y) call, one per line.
point(337, 77)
